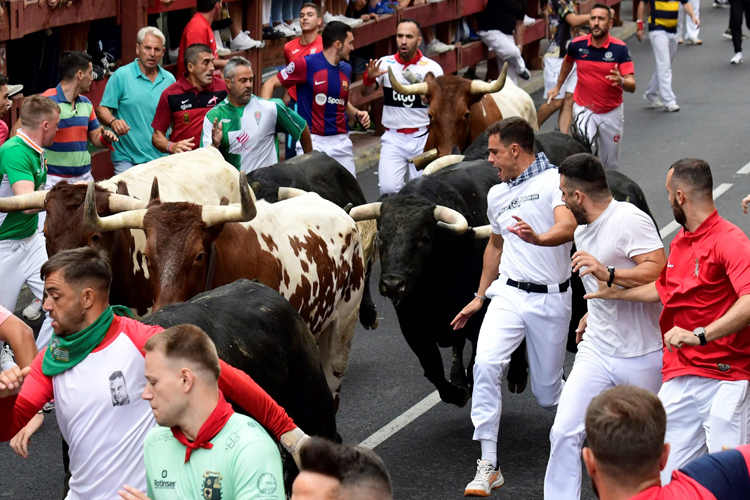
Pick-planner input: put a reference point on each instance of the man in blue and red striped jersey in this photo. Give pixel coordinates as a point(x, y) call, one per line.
point(322, 82)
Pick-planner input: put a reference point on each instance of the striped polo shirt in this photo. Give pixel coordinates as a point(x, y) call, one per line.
point(69, 155)
point(663, 15)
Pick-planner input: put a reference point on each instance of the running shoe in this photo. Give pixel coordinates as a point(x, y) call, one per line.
point(721, 4)
point(656, 103)
point(437, 47)
point(736, 59)
point(243, 42)
point(524, 75)
point(693, 41)
point(7, 359)
point(33, 311)
point(672, 108)
point(486, 480)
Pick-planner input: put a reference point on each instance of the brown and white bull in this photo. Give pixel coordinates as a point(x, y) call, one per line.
point(306, 248)
point(460, 109)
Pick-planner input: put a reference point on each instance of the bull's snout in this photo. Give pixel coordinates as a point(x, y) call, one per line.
point(392, 286)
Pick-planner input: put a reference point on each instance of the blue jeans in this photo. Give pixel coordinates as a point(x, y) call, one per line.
point(122, 166)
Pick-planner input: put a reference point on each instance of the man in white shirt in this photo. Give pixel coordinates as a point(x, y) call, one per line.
point(405, 118)
point(531, 231)
point(618, 342)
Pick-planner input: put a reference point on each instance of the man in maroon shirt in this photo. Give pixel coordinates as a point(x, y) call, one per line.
point(184, 104)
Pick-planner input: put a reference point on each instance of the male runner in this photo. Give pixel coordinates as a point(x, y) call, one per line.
point(404, 117)
point(605, 69)
point(200, 440)
point(618, 342)
point(322, 82)
point(105, 433)
point(530, 286)
point(243, 127)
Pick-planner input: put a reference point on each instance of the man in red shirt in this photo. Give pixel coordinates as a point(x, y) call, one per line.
point(626, 450)
point(605, 69)
point(705, 290)
point(198, 30)
point(184, 104)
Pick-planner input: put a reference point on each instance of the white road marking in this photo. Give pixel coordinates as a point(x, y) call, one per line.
point(433, 398)
point(744, 170)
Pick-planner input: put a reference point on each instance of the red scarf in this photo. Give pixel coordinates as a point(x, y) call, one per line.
point(210, 428)
point(413, 60)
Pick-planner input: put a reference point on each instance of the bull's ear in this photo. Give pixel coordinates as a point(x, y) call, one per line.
point(224, 201)
point(429, 77)
point(122, 188)
point(154, 190)
point(255, 186)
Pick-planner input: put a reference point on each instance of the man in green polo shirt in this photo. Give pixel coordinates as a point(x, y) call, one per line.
point(243, 126)
point(203, 449)
point(130, 98)
point(23, 170)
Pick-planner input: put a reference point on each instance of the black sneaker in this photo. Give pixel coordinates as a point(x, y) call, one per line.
point(525, 75)
point(721, 4)
point(271, 34)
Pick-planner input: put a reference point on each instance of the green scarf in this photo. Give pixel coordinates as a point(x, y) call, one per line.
point(66, 352)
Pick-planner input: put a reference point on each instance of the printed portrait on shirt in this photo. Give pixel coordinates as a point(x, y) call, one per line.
point(118, 389)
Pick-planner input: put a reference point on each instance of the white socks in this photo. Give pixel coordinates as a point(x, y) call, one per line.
point(489, 451)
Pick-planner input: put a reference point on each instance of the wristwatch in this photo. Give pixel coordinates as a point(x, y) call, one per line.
point(611, 279)
point(700, 332)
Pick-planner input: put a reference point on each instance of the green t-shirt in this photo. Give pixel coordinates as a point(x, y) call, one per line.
point(249, 141)
point(20, 161)
point(243, 464)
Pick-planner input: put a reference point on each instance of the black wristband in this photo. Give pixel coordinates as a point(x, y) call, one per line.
point(611, 279)
point(113, 121)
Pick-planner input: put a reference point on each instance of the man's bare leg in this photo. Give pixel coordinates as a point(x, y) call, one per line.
point(547, 110)
point(566, 113)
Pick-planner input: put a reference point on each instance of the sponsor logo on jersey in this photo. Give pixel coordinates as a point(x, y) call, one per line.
point(267, 484)
point(295, 51)
point(186, 119)
point(608, 56)
point(213, 100)
point(243, 138)
point(423, 63)
point(289, 68)
point(231, 441)
point(407, 100)
point(319, 82)
point(313, 50)
point(320, 99)
point(345, 85)
point(518, 202)
point(164, 483)
point(185, 104)
point(723, 367)
point(257, 117)
point(212, 485)
point(333, 100)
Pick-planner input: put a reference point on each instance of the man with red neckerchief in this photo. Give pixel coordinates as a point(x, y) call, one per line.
point(405, 117)
point(94, 368)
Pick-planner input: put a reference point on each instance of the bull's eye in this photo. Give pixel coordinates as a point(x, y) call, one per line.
point(467, 115)
point(95, 238)
point(200, 257)
point(424, 240)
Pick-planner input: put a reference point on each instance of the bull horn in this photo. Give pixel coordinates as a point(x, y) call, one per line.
point(288, 192)
point(132, 219)
point(480, 87)
point(450, 219)
point(482, 232)
point(368, 211)
point(415, 89)
point(422, 160)
point(121, 203)
point(154, 190)
point(441, 163)
point(246, 211)
point(28, 201)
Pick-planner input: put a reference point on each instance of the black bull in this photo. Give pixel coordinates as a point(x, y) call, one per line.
point(430, 274)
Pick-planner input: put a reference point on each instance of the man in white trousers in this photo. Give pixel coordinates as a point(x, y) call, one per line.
point(530, 286)
point(405, 118)
point(23, 170)
point(662, 31)
point(618, 342)
point(691, 29)
point(498, 23)
point(605, 69)
point(705, 290)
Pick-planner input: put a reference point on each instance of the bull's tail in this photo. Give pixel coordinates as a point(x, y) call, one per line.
point(577, 131)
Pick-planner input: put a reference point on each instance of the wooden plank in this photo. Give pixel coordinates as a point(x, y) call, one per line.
point(375, 31)
point(534, 32)
point(356, 97)
point(133, 17)
point(469, 7)
point(473, 53)
point(273, 53)
point(447, 60)
point(432, 13)
point(33, 17)
point(156, 7)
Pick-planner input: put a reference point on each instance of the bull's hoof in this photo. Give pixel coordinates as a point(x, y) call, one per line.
point(458, 396)
point(369, 318)
point(515, 387)
point(336, 403)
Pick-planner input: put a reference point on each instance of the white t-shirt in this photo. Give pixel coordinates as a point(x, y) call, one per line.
point(615, 327)
point(534, 201)
point(405, 111)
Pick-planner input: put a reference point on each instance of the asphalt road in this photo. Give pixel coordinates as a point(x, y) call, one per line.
point(433, 456)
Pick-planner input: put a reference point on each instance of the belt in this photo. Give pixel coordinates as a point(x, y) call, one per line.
point(406, 130)
point(534, 288)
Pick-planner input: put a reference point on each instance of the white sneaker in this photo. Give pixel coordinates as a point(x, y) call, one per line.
point(486, 480)
point(173, 53)
point(674, 107)
point(33, 311)
point(528, 21)
point(285, 30)
point(296, 27)
point(352, 23)
point(328, 17)
point(736, 58)
point(437, 47)
point(7, 360)
point(243, 42)
point(656, 103)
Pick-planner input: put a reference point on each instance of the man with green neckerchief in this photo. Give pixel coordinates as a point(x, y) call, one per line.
point(93, 344)
point(243, 126)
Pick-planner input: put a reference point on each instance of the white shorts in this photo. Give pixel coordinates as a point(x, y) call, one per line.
point(395, 150)
point(339, 147)
point(552, 66)
point(609, 126)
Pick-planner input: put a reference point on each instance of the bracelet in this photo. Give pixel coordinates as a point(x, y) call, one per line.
point(169, 147)
point(480, 297)
point(367, 81)
point(113, 121)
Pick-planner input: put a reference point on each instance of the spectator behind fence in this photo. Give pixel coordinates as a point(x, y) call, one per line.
point(6, 92)
point(68, 157)
point(497, 24)
point(243, 126)
point(706, 367)
point(130, 99)
point(200, 440)
point(340, 472)
point(183, 105)
point(626, 452)
point(198, 30)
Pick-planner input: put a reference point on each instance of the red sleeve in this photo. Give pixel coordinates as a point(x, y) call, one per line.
point(569, 59)
point(137, 332)
point(295, 73)
point(163, 117)
point(240, 388)
point(735, 256)
point(16, 411)
point(627, 68)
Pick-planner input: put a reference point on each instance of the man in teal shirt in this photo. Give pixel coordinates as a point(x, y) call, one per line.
point(202, 448)
point(130, 98)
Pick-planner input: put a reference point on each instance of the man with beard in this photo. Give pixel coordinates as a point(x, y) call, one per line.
point(322, 82)
point(184, 104)
point(605, 69)
point(705, 290)
point(618, 342)
point(404, 117)
point(243, 127)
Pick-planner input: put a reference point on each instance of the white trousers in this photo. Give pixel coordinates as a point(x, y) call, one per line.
point(665, 46)
point(339, 147)
point(610, 126)
point(21, 261)
point(552, 67)
point(703, 415)
point(505, 49)
point(691, 30)
point(592, 374)
point(395, 150)
point(542, 318)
